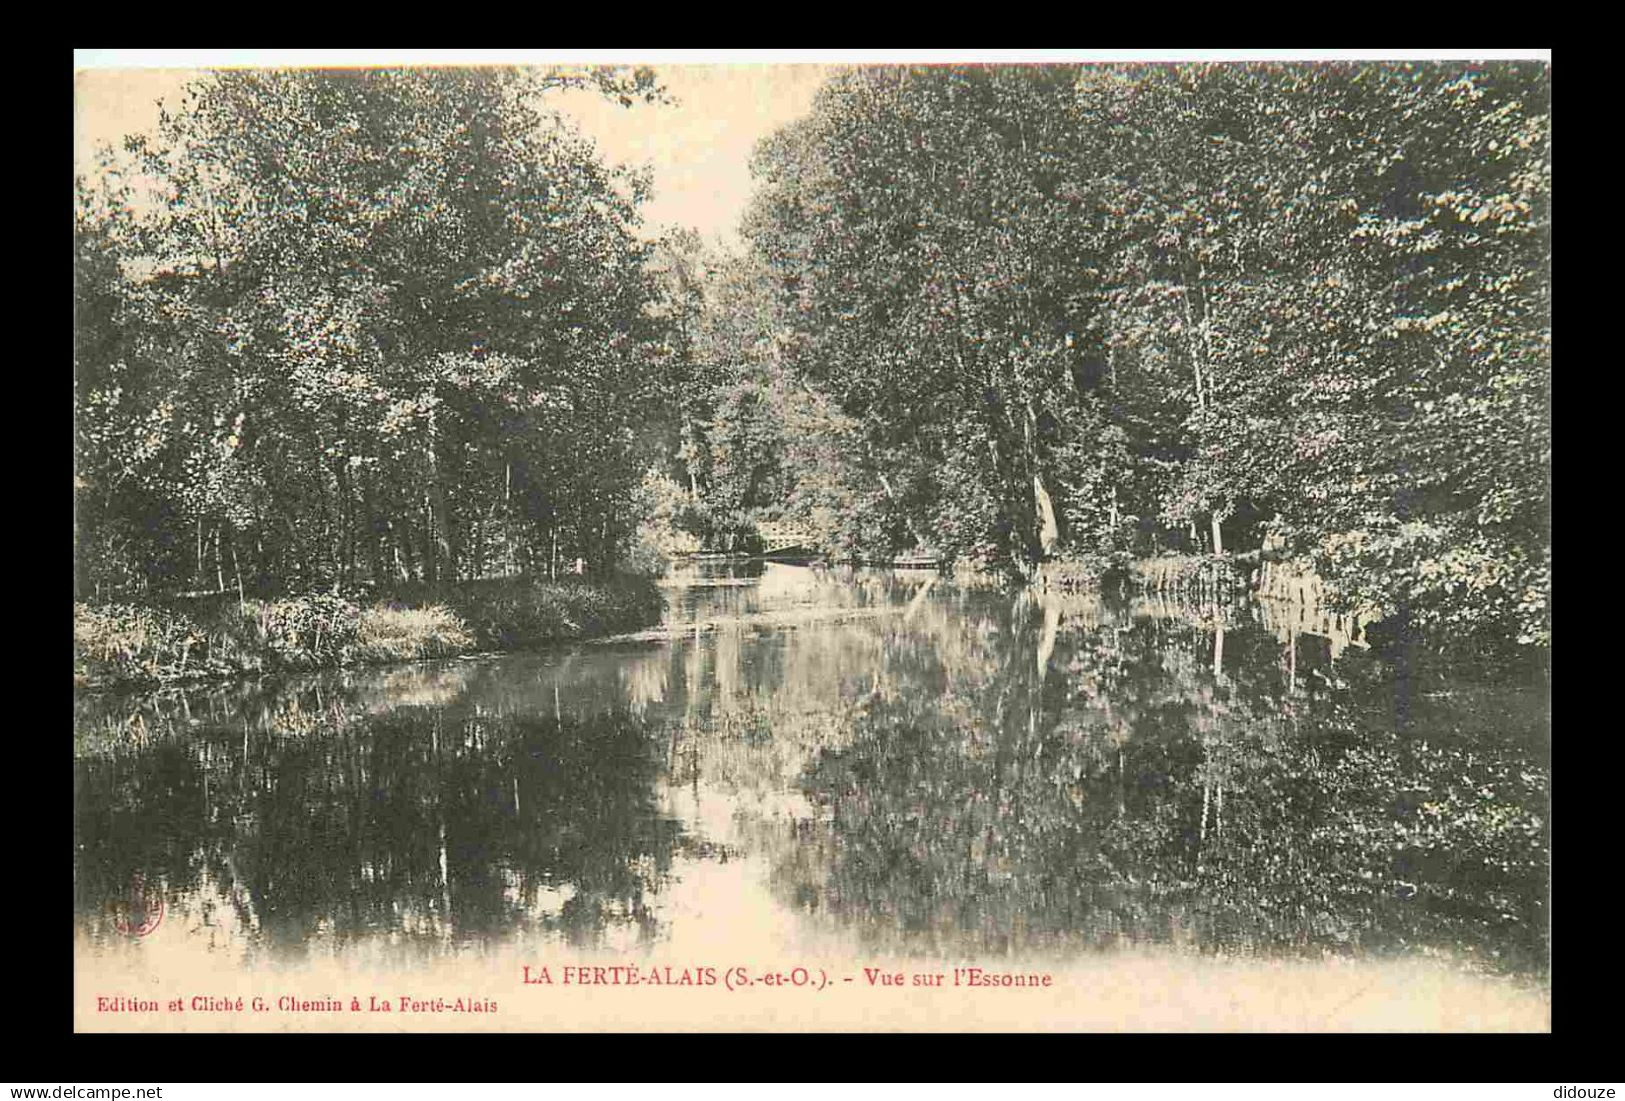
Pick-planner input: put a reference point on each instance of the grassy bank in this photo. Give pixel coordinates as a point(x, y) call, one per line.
point(117, 645)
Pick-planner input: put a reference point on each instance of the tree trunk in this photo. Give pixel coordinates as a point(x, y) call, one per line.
point(400, 542)
point(507, 519)
point(444, 546)
point(444, 541)
point(1207, 792)
point(1218, 537)
point(1196, 358)
point(375, 546)
point(425, 541)
point(1049, 532)
point(242, 602)
point(349, 531)
point(691, 459)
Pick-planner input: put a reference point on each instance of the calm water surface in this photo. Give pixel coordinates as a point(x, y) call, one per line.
point(873, 757)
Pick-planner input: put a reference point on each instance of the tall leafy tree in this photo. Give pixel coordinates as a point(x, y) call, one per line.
point(1141, 306)
point(399, 322)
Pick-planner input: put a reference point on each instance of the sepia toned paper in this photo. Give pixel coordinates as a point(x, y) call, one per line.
point(812, 797)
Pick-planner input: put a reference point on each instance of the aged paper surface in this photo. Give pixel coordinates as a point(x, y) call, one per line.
point(805, 793)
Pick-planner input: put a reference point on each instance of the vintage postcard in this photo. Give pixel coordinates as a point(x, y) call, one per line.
point(869, 542)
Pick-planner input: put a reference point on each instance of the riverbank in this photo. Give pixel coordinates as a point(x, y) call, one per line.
point(1303, 602)
point(128, 645)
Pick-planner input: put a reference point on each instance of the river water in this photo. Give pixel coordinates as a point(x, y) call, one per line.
point(815, 764)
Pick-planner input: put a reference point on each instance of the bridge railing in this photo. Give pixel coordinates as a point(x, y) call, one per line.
point(784, 534)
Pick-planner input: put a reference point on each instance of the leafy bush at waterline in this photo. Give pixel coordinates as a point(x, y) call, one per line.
point(504, 615)
point(124, 643)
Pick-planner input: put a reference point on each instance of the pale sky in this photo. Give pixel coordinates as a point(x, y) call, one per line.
point(699, 148)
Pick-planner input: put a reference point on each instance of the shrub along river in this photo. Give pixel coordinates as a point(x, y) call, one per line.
point(855, 763)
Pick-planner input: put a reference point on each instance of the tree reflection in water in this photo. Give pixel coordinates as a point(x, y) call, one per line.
point(953, 772)
point(411, 823)
point(1102, 783)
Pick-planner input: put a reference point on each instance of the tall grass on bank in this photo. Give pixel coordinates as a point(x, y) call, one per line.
point(127, 644)
point(510, 614)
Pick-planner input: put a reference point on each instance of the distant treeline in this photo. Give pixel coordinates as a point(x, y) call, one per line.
point(400, 326)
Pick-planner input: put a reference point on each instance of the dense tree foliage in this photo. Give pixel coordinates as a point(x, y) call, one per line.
point(382, 325)
point(400, 325)
point(1189, 306)
point(724, 398)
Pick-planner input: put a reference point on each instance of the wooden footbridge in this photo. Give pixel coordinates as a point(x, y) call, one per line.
point(787, 540)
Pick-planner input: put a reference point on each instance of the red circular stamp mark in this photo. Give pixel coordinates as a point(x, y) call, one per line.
point(140, 911)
